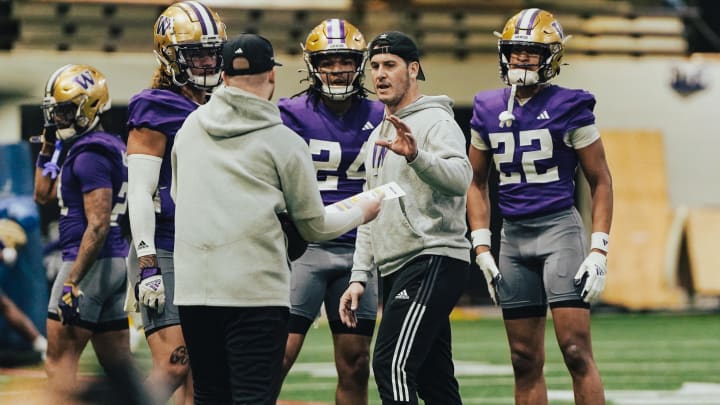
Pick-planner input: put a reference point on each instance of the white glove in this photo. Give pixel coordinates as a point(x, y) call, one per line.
point(150, 290)
point(592, 271)
point(486, 262)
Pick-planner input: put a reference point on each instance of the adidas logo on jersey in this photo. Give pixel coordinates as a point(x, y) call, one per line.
point(142, 245)
point(544, 115)
point(368, 126)
point(402, 295)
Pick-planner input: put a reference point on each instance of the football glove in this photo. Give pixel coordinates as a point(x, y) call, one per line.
point(296, 245)
point(592, 272)
point(150, 290)
point(486, 262)
point(69, 304)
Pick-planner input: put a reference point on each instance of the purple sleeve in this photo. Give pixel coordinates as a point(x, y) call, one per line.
point(93, 170)
point(581, 110)
point(162, 111)
point(291, 116)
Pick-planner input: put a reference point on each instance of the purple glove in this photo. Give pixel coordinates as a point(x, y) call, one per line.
point(69, 305)
point(52, 168)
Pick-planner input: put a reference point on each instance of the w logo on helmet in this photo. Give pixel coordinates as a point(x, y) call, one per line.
point(164, 24)
point(85, 79)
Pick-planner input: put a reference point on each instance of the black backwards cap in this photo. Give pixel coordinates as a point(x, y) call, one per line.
point(399, 44)
point(257, 50)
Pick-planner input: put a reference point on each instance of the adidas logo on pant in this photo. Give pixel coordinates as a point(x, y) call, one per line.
point(402, 295)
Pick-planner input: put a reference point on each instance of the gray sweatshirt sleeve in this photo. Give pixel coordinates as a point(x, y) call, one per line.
point(363, 263)
point(442, 161)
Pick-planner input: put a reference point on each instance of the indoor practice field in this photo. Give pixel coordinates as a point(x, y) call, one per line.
point(645, 359)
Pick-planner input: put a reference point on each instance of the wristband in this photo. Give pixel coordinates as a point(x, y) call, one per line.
point(149, 272)
point(41, 160)
point(480, 237)
point(600, 241)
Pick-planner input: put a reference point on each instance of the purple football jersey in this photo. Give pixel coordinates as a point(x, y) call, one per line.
point(96, 160)
point(536, 167)
point(337, 143)
point(163, 111)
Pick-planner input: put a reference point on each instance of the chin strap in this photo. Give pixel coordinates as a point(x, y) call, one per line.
point(506, 117)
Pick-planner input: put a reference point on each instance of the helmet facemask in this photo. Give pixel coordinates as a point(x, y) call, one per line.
point(336, 84)
point(193, 58)
point(526, 74)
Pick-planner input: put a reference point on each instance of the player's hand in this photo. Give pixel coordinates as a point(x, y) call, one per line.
point(404, 142)
point(349, 304)
point(486, 263)
point(592, 272)
point(69, 304)
point(150, 290)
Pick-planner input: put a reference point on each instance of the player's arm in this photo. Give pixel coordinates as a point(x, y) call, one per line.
point(145, 149)
point(594, 165)
point(45, 190)
point(478, 212)
point(478, 200)
point(593, 270)
point(98, 207)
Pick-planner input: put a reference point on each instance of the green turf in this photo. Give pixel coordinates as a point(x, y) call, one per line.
point(633, 352)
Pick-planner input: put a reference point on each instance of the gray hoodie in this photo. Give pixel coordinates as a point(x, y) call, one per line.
point(430, 219)
point(235, 165)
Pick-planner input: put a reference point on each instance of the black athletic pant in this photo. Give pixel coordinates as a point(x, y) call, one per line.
point(236, 353)
point(413, 353)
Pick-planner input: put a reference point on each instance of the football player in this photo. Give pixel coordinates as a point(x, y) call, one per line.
point(86, 300)
point(537, 134)
point(188, 38)
point(335, 118)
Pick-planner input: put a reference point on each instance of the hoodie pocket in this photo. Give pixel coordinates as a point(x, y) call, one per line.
point(394, 233)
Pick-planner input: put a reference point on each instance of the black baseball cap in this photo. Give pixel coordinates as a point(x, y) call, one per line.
point(256, 49)
point(399, 44)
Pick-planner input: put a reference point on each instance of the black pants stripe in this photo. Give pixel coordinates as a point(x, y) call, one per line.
point(413, 354)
